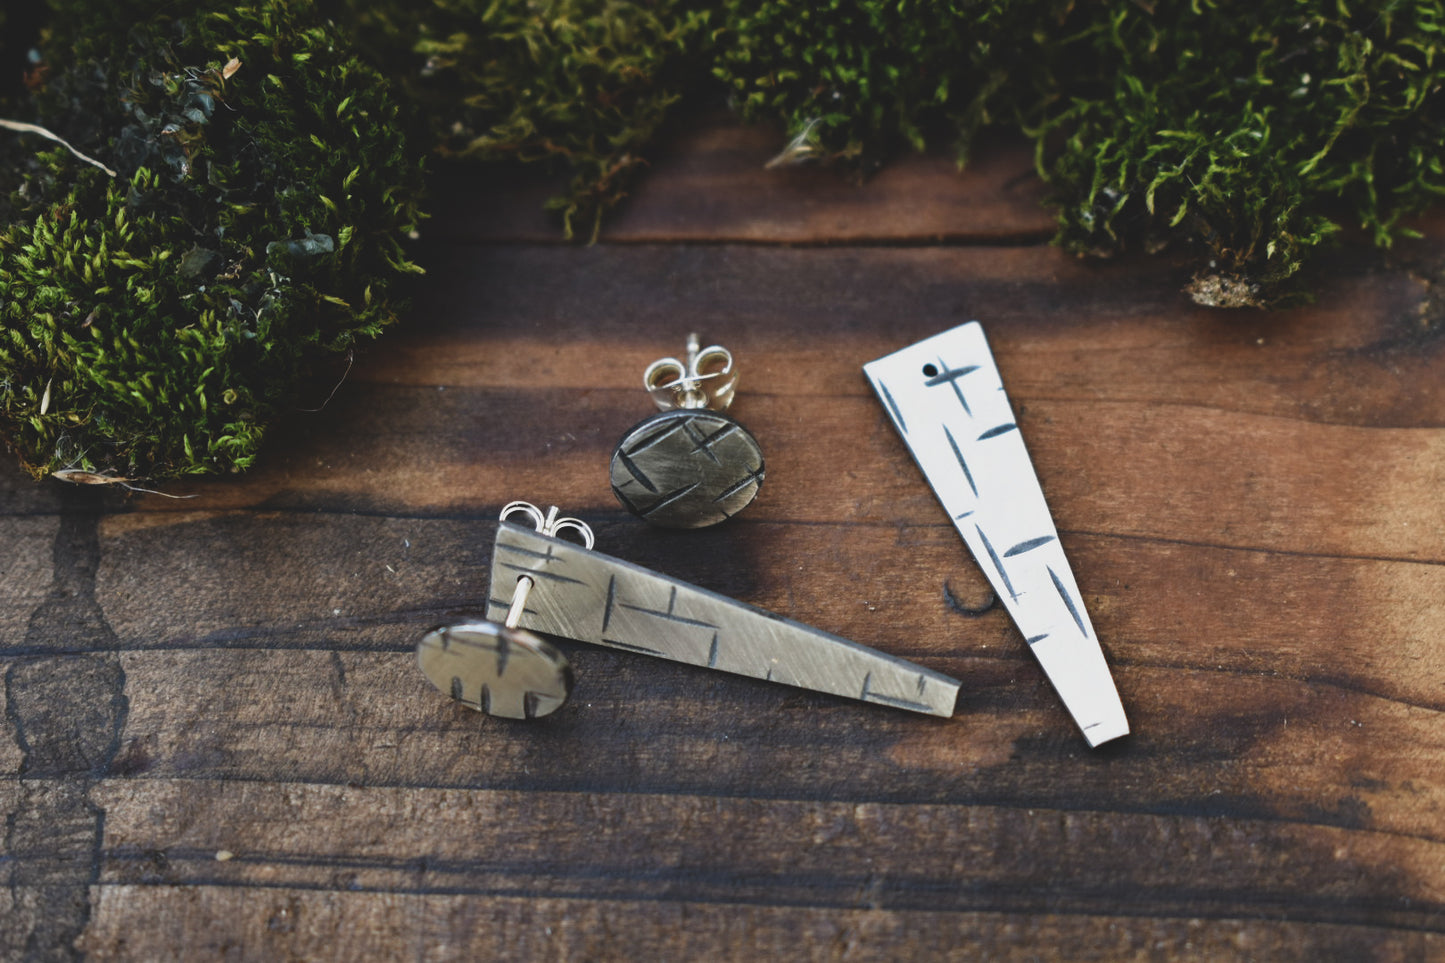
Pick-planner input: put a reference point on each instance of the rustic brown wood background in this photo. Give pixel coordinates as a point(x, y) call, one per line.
point(215, 744)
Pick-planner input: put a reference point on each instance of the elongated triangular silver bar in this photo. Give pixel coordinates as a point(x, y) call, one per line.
point(945, 397)
point(592, 597)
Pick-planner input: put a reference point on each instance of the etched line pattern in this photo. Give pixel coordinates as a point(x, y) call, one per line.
point(671, 614)
point(694, 468)
point(893, 408)
point(653, 438)
point(525, 552)
point(950, 377)
point(703, 444)
point(866, 694)
point(540, 573)
point(1008, 527)
point(545, 557)
point(968, 475)
point(1068, 601)
point(753, 477)
point(997, 563)
point(638, 475)
point(504, 652)
point(700, 445)
point(999, 430)
point(499, 671)
point(505, 604)
point(611, 601)
point(634, 647)
point(670, 499)
point(1028, 546)
point(648, 613)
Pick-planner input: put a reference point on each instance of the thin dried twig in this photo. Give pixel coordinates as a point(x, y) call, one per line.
point(78, 477)
point(350, 360)
point(36, 129)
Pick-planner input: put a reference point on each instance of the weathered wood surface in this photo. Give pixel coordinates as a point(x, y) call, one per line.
point(215, 743)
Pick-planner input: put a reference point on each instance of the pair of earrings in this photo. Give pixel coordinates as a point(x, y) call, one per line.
point(688, 466)
point(945, 397)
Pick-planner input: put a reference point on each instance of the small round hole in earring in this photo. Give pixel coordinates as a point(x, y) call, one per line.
point(929, 370)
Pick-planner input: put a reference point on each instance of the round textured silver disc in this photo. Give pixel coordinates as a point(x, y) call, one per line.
point(687, 468)
point(500, 671)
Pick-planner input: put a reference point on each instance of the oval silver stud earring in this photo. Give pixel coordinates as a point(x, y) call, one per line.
point(690, 465)
point(503, 670)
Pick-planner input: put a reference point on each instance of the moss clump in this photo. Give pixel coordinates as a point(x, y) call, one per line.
point(1250, 131)
point(1245, 134)
point(153, 324)
point(1256, 131)
point(580, 83)
point(855, 81)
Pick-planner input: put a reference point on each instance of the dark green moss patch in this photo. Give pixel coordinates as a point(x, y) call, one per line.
point(152, 325)
point(583, 84)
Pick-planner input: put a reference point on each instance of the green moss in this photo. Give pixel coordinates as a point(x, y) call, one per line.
point(855, 81)
point(1253, 131)
point(154, 324)
point(1248, 132)
point(584, 84)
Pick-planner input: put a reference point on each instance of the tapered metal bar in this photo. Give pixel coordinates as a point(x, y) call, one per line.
point(592, 597)
point(946, 399)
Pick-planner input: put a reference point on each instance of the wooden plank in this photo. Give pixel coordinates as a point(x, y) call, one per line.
point(176, 923)
point(708, 183)
point(1210, 740)
point(1247, 500)
point(543, 410)
point(1362, 623)
point(25, 571)
point(1172, 472)
point(9, 797)
point(764, 851)
point(10, 754)
point(1061, 328)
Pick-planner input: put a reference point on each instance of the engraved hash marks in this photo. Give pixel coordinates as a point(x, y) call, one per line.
point(687, 468)
point(595, 598)
point(946, 398)
point(497, 670)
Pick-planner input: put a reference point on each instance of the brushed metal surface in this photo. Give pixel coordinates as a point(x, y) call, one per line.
point(945, 397)
point(687, 468)
point(592, 597)
point(497, 670)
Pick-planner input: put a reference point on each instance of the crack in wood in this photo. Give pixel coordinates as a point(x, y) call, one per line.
point(68, 711)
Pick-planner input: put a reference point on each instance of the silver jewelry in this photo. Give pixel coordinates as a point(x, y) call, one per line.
point(501, 669)
point(587, 596)
point(946, 399)
point(689, 466)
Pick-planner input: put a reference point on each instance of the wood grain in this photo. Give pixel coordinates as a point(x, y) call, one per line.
point(709, 183)
point(264, 924)
point(636, 846)
point(1250, 502)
